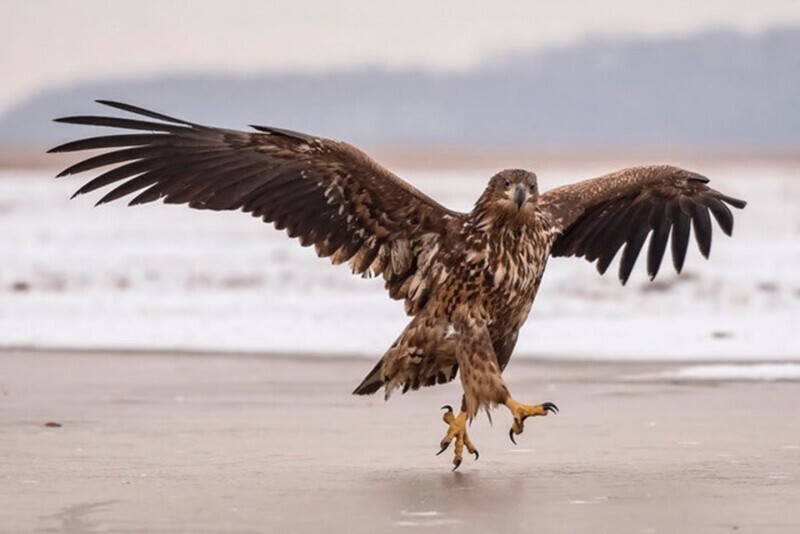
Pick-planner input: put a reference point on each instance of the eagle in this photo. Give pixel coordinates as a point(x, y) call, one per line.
point(467, 280)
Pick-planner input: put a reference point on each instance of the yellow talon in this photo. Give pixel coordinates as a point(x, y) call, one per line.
point(520, 412)
point(457, 430)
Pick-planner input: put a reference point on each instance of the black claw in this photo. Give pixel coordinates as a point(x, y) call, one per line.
point(456, 462)
point(550, 407)
point(444, 448)
point(511, 435)
point(448, 408)
point(477, 454)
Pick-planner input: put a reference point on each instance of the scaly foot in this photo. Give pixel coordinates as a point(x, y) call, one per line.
point(457, 431)
point(520, 412)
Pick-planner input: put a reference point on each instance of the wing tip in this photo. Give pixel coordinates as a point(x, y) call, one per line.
point(283, 132)
point(699, 178)
point(705, 250)
point(737, 203)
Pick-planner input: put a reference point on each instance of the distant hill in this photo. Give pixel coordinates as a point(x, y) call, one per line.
point(707, 90)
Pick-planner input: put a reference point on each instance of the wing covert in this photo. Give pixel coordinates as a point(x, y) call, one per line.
point(598, 217)
point(323, 192)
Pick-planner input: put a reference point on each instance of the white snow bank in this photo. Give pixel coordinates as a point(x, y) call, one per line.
point(166, 277)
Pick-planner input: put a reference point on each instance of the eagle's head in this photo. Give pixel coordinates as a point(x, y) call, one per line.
point(512, 193)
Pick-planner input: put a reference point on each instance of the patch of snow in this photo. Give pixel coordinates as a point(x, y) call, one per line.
point(742, 372)
point(428, 523)
point(166, 277)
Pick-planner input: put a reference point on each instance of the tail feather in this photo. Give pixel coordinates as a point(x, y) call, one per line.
point(372, 382)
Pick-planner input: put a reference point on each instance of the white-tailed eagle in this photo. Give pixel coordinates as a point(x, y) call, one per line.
point(468, 280)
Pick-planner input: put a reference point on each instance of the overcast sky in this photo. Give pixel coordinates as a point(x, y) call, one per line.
point(57, 42)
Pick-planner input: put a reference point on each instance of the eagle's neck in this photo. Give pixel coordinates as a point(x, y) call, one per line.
point(496, 220)
point(493, 225)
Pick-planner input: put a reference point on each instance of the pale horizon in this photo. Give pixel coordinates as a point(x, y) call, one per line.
point(52, 44)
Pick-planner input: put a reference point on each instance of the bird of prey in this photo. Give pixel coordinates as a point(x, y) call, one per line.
point(468, 280)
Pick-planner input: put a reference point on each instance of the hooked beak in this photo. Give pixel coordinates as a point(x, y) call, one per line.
point(520, 194)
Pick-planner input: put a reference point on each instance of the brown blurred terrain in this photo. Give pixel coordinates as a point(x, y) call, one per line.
point(441, 158)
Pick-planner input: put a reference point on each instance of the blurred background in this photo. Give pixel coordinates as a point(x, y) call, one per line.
point(445, 94)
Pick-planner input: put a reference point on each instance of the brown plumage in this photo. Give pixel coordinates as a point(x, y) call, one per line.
point(467, 279)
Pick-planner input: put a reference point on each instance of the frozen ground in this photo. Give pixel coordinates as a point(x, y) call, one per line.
point(165, 277)
point(230, 443)
point(750, 372)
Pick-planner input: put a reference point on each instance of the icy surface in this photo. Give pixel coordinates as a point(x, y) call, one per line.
point(166, 277)
point(762, 371)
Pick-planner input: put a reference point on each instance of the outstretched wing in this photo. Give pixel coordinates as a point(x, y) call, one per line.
point(325, 193)
point(596, 217)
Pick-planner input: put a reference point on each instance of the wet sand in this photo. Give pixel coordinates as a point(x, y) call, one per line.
point(209, 443)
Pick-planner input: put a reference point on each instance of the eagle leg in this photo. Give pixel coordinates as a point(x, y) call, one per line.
point(457, 430)
point(520, 412)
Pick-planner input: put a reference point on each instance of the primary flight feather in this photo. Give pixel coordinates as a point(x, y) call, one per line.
point(468, 280)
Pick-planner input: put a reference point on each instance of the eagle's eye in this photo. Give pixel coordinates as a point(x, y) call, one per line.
point(508, 182)
point(533, 188)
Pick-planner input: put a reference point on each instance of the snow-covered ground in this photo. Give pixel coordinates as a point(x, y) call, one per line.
point(167, 277)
